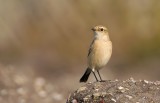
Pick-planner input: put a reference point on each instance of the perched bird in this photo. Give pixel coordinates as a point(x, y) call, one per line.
point(99, 52)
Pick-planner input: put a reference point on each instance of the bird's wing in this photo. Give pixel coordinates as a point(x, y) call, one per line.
point(89, 51)
point(91, 47)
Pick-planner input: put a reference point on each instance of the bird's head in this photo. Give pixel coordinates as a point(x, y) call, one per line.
point(99, 28)
point(100, 31)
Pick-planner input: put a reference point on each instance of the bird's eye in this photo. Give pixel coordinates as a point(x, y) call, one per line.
point(101, 29)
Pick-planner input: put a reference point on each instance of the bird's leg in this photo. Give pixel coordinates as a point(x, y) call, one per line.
point(95, 75)
point(100, 76)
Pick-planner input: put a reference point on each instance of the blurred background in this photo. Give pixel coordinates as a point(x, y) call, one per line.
point(44, 44)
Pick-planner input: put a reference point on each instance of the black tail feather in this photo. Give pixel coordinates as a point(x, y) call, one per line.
point(85, 76)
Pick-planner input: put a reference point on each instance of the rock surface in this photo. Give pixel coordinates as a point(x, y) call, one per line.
point(129, 91)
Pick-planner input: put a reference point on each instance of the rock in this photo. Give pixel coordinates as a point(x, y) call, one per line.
point(128, 91)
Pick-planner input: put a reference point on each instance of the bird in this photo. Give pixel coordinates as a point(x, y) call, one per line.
point(99, 52)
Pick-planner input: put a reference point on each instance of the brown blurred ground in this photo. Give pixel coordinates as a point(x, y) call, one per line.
point(50, 39)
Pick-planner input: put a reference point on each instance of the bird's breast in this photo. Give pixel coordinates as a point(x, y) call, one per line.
point(101, 53)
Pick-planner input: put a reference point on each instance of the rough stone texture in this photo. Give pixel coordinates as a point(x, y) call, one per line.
point(129, 91)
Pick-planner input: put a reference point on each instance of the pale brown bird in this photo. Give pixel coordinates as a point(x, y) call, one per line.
point(99, 53)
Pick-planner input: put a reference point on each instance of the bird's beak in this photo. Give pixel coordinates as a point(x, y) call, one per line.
point(93, 29)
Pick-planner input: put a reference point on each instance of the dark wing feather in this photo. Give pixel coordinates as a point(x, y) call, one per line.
point(90, 49)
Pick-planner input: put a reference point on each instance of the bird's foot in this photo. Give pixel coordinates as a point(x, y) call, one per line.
point(102, 81)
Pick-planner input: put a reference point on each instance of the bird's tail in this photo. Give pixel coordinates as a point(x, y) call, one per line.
point(85, 76)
